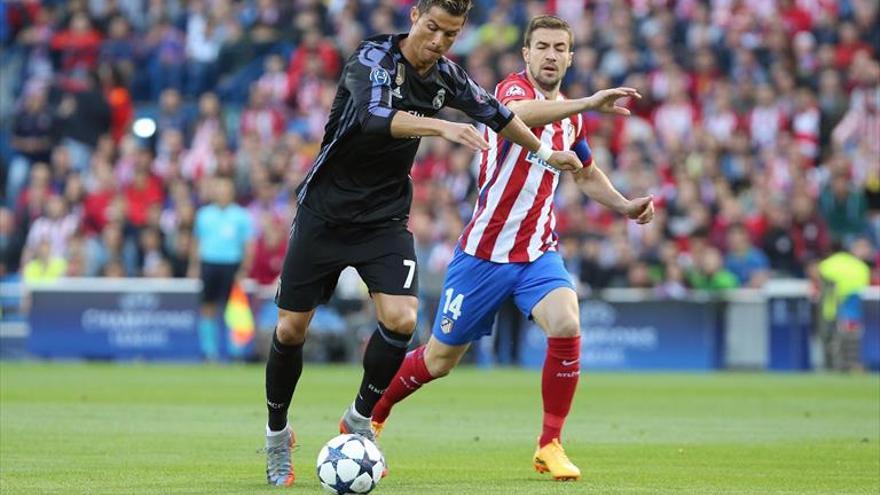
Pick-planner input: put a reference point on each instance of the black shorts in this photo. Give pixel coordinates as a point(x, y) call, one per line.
point(383, 255)
point(217, 280)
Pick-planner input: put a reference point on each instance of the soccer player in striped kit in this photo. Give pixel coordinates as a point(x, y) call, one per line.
point(509, 247)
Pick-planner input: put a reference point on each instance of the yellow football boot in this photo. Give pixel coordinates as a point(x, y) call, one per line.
point(551, 459)
point(377, 428)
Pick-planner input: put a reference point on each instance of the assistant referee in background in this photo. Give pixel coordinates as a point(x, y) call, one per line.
point(221, 254)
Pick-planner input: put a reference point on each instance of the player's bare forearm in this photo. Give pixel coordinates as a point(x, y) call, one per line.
point(537, 113)
point(595, 184)
point(519, 133)
point(406, 125)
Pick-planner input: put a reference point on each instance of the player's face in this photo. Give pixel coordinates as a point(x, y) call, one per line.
point(432, 34)
point(548, 56)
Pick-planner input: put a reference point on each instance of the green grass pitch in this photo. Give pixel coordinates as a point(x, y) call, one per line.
point(114, 429)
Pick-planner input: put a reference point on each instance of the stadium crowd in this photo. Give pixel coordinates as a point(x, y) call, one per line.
point(758, 132)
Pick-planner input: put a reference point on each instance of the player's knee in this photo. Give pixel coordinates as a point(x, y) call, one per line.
point(565, 328)
point(290, 331)
point(401, 320)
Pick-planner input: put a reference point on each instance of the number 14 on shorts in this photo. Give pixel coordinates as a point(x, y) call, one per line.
point(453, 303)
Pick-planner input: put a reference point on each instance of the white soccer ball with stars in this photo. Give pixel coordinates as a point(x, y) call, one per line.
point(350, 464)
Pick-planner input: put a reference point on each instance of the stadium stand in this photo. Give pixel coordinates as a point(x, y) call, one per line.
point(755, 114)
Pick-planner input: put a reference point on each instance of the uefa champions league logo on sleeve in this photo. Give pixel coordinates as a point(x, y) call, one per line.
point(380, 77)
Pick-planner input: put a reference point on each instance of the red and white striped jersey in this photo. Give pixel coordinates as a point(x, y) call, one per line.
point(513, 220)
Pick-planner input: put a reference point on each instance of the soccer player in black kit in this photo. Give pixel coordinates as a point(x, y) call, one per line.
point(355, 200)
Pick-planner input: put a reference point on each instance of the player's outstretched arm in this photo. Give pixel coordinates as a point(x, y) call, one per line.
point(536, 113)
point(405, 125)
point(595, 184)
point(517, 132)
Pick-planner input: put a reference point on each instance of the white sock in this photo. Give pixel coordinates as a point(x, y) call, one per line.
point(270, 433)
point(358, 415)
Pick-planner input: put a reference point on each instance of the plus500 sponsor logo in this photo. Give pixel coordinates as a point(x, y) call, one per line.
point(532, 157)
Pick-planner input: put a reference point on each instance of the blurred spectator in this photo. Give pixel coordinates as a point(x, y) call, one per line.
point(269, 251)
point(97, 201)
point(165, 53)
point(674, 285)
point(31, 202)
point(145, 190)
point(848, 44)
point(10, 243)
point(151, 252)
point(76, 257)
point(266, 209)
point(78, 45)
point(742, 102)
point(260, 118)
point(274, 80)
point(844, 208)
point(171, 157)
point(710, 274)
point(84, 115)
point(172, 115)
point(31, 139)
point(180, 252)
point(56, 229)
point(748, 263)
point(204, 37)
point(118, 48)
point(498, 33)
point(808, 231)
point(767, 118)
point(778, 243)
point(45, 266)
point(119, 100)
point(112, 248)
point(314, 47)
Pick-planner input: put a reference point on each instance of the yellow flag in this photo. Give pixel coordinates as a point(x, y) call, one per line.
point(239, 317)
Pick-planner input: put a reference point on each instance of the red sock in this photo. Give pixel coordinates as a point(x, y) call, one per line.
point(413, 373)
point(558, 383)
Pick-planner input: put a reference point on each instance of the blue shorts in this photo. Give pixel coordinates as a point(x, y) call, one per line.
point(475, 288)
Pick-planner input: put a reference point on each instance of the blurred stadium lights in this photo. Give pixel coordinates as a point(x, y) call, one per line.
point(144, 127)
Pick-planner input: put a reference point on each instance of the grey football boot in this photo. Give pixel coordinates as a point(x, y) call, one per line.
point(279, 466)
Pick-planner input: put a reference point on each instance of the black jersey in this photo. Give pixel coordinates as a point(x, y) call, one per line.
point(361, 174)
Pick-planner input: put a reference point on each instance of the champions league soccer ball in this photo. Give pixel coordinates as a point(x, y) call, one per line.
point(350, 464)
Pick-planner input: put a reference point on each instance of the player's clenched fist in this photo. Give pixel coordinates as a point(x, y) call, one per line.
point(565, 160)
point(465, 134)
point(641, 209)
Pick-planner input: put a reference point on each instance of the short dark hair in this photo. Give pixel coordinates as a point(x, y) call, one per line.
point(457, 8)
point(547, 22)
